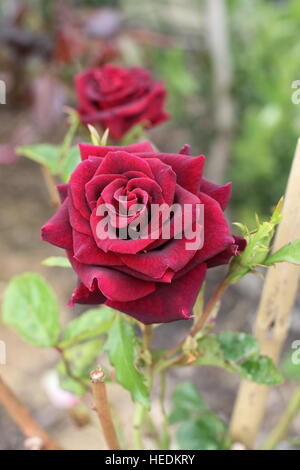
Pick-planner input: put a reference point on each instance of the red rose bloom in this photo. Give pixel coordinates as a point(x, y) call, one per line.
point(119, 98)
point(157, 280)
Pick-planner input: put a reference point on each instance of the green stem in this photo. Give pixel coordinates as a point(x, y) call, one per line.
point(139, 417)
point(151, 430)
point(280, 430)
point(165, 438)
point(68, 369)
point(75, 121)
point(141, 412)
point(202, 320)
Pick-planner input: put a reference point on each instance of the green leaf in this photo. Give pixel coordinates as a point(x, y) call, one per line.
point(70, 162)
point(289, 253)
point(90, 324)
point(30, 307)
point(185, 400)
point(260, 370)
point(236, 346)
point(209, 353)
point(207, 432)
point(60, 160)
point(45, 154)
point(199, 427)
point(121, 351)
point(57, 261)
point(238, 353)
point(81, 360)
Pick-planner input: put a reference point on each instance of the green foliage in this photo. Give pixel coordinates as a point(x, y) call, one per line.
point(263, 33)
point(134, 134)
point(172, 67)
point(238, 353)
point(289, 253)
point(185, 400)
point(79, 361)
point(50, 156)
point(44, 154)
point(90, 324)
point(61, 160)
point(258, 246)
point(121, 348)
point(291, 364)
point(199, 428)
point(69, 163)
point(260, 369)
point(30, 307)
point(57, 261)
point(236, 346)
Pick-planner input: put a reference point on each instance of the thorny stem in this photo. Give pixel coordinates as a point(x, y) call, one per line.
point(281, 428)
point(209, 307)
point(21, 416)
point(102, 408)
point(202, 320)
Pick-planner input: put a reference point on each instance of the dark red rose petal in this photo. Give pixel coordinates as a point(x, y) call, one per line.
point(225, 256)
point(97, 184)
point(120, 162)
point(62, 191)
point(165, 177)
point(80, 177)
point(169, 302)
point(155, 263)
point(77, 221)
point(188, 169)
point(58, 230)
point(82, 295)
point(113, 284)
point(88, 150)
point(87, 252)
point(219, 193)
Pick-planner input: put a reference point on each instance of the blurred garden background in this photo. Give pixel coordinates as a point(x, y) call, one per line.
point(229, 68)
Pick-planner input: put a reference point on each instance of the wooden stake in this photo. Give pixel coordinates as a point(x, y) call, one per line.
point(218, 42)
point(101, 406)
point(21, 416)
point(273, 316)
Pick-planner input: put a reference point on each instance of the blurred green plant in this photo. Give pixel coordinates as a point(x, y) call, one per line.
point(198, 427)
point(266, 53)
